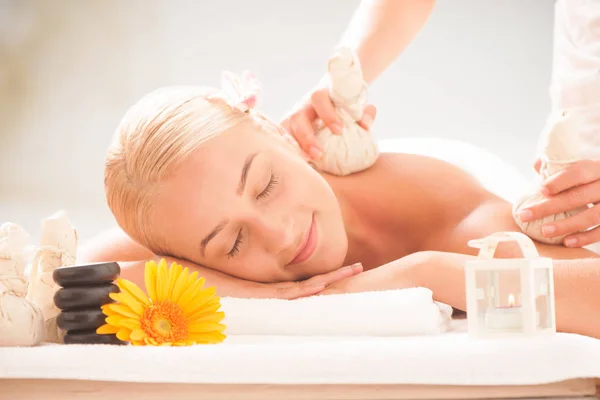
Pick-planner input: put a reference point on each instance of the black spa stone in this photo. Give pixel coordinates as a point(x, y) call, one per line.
point(86, 275)
point(90, 337)
point(80, 320)
point(84, 296)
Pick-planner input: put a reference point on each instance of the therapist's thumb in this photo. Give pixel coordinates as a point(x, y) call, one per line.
point(368, 117)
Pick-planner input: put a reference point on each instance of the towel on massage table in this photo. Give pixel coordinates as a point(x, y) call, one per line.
point(451, 358)
point(402, 312)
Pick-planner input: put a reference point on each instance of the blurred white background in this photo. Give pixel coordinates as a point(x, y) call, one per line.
point(478, 72)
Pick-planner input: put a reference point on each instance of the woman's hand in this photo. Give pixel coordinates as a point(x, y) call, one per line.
point(309, 287)
point(575, 186)
point(317, 105)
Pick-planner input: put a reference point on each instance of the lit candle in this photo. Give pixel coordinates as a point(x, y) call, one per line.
point(505, 318)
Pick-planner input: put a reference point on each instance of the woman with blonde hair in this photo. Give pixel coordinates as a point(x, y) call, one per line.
point(203, 179)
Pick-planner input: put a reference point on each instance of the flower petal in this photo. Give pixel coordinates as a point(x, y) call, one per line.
point(200, 298)
point(107, 311)
point(174, 272)
point(133, 289)
point(124, 310)
point(123, 334)
point(162, 290)
point(128, 300)
point(107, 329)
point(192, 293)
point(193, 277)
point(215, 317)
point(138, 335)
point(150, 273)
point(131, 324)
point(211, 306)
point(204, 327)
point(180, 285)
point(114, 320)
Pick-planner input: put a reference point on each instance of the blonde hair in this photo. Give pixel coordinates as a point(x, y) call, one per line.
point(157, 133)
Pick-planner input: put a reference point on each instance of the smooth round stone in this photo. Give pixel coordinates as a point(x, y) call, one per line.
point(84, 296)
point(86, 275)
point(90, 337)
point(80, 320)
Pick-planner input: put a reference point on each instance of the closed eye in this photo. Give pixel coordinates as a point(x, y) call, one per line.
point(273, 181)
point(235, 250)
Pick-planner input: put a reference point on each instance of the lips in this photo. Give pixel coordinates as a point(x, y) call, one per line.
point(307, 245)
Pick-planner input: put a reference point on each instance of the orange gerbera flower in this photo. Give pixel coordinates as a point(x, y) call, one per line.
point(176, 311)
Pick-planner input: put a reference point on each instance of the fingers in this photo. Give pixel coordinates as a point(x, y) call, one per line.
point(368, 117)
point(296, 291)
point(583, 238)
point(302, 129)
point(579, 173)
point(335, 276)
point(321, 102)
point(564, 201)
point(582, 221)
point(312, 286)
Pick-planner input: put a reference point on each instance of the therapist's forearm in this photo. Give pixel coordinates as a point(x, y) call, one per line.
point(382, 29)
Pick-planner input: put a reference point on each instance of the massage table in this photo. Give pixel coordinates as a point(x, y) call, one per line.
point(450, 365)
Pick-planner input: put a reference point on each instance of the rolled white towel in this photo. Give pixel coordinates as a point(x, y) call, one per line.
point(405, 312)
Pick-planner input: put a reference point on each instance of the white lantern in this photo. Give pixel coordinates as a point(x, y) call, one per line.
point(511, 296)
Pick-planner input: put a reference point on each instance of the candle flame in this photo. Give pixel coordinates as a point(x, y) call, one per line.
point(511, 300)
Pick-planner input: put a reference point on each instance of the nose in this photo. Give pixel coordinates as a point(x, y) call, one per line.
point(275, 232)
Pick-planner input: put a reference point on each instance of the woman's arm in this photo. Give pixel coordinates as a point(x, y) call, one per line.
point(382, 29)
point(115, 245)
point(379, 31)
point(576, 285)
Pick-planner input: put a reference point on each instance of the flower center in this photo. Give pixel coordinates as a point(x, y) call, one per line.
point(165, 322)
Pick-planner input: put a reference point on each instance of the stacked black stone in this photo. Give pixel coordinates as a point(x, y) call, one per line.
point(84, 289)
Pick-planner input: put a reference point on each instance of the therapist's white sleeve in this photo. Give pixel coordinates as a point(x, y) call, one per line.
point(575, 80)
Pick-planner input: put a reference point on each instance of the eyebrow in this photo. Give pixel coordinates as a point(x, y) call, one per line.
point(240, 190)
point(245, 170)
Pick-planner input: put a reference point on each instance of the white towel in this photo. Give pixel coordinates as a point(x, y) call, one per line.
point(405, 312)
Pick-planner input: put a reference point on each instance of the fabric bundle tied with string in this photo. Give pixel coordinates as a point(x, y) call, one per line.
point(58, 248)
point(355, 149)
point(21, 320)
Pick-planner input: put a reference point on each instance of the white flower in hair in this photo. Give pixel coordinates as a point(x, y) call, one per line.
point(243, 93)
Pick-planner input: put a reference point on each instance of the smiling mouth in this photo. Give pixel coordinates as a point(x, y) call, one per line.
point(308, 245)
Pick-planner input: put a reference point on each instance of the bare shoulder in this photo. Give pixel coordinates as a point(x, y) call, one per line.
point(414, 199)
point(415, 182)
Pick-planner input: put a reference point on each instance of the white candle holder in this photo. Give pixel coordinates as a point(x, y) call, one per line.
point(512, 296)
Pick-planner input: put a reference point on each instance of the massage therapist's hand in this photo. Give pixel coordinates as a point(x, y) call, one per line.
point(317, 105)
point(573, 187)
point(308, 287)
